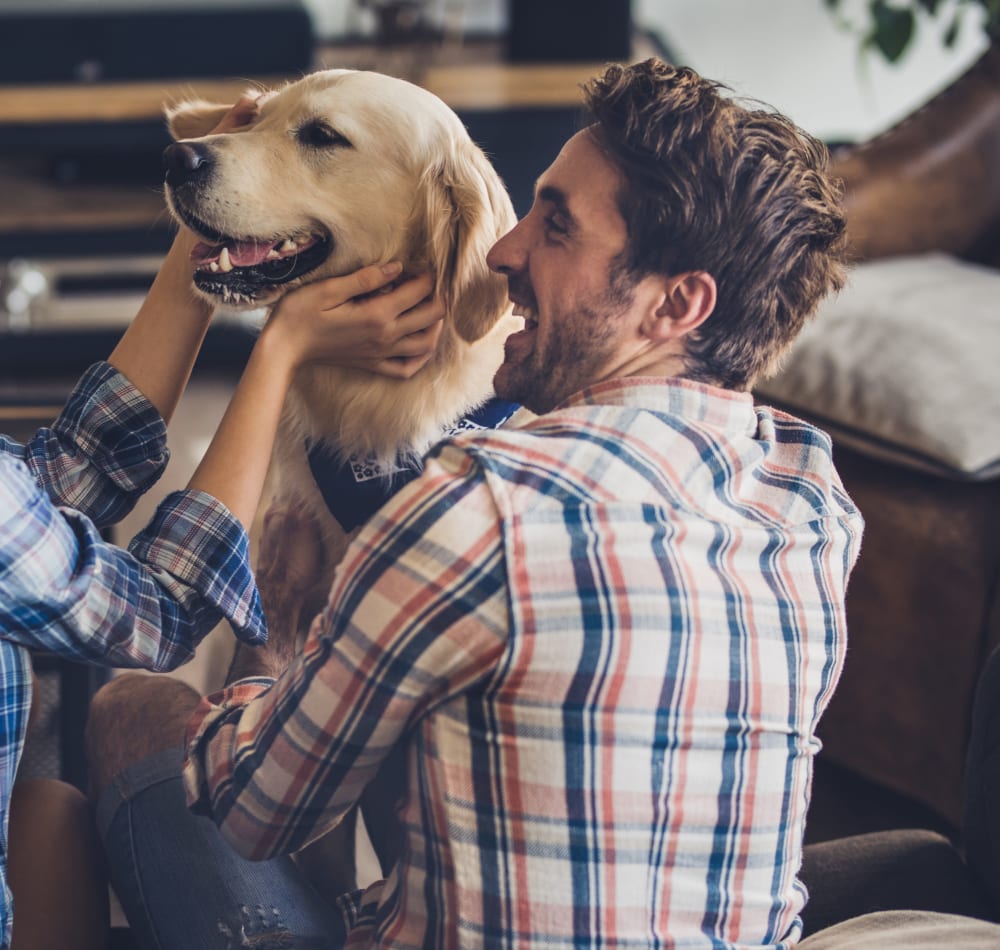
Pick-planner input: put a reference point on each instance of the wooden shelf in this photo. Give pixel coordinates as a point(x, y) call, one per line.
point(109, 102)
point(112, 118)
point(471, 76)
point(31, 202)
point(499, 86)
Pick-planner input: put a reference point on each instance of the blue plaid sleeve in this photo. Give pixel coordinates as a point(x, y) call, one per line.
point(107, 447)
point(65, 590)
point(199, 548)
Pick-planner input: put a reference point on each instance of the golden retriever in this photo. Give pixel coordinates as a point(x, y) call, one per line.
point(341, 169)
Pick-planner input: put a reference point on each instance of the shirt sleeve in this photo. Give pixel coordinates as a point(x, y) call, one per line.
point(66, 590)
point(106, 448)
point(417, 613)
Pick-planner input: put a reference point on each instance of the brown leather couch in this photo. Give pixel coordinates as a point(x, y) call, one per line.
point(924, 603)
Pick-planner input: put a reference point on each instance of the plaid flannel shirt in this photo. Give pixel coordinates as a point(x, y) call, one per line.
point(605, 639)
point(65, 590)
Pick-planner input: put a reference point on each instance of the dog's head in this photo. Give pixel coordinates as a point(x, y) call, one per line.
point(340, 169)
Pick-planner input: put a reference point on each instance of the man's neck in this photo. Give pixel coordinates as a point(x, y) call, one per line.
point(656, 361)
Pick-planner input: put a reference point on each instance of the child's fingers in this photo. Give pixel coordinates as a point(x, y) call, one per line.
point(243, 112)
point(336, 291)
point(428, 315)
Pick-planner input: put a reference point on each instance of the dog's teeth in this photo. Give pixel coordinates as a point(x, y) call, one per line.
point(225, 264)
point(287, 245)
point(272, 254)
point(214, 267)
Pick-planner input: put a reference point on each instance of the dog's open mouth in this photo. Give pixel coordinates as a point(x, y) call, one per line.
point(244, 270)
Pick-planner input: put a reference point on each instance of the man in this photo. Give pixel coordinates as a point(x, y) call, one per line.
point(603, 639)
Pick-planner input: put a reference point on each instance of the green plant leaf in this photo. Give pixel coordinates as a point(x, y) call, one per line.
point(892, 23)
point(951, 34)
point(992, 23)
point(893, 29)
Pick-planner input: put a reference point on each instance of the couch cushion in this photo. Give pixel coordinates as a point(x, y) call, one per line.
point(904, 365)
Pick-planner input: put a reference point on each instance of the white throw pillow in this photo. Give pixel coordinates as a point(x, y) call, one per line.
point(904, 364)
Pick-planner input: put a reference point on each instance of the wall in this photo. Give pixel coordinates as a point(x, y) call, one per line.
point(790, 54)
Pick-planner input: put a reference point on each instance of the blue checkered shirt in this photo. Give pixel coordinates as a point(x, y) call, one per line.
point(67, 591)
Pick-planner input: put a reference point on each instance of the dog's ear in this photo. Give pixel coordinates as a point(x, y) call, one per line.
point(466, 209)
point(194, 118)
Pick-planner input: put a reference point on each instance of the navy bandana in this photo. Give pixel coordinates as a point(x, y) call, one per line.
point(355, 488)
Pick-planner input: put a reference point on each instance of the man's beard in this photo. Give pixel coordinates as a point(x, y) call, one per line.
point(548, 376)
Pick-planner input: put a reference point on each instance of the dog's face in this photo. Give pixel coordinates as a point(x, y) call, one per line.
point(340, 169)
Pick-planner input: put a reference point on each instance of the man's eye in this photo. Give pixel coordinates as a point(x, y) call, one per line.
point(320, 135)
point(555, 225)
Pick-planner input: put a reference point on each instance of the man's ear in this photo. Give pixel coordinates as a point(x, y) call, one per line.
point(687, 301)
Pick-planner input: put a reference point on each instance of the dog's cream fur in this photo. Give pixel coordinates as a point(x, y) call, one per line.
point(409, 185)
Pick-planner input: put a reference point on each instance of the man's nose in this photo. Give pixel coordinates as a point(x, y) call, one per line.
point(505, 256)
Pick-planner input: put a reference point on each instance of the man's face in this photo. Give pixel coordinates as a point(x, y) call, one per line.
point(581, 323)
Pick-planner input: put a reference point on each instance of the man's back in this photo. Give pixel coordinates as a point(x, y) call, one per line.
point(635, 765)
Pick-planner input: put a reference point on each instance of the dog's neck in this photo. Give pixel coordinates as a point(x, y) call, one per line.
point(355, 413)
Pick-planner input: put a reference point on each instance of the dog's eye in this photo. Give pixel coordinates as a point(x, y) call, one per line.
point(320, 135)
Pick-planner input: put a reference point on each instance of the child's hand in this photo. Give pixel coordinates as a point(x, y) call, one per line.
point(243, 113)
point(361, 321)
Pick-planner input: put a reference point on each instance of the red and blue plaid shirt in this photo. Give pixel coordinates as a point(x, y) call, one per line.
point(65, 590)
point(605, 639)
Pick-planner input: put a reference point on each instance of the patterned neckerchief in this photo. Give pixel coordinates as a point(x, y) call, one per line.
point(355, 488)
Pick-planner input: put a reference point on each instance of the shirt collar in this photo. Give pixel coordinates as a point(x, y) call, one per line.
point(695, 402)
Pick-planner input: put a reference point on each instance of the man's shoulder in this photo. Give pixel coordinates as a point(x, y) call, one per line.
point(523, 432)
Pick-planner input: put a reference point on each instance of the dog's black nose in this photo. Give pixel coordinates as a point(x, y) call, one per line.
point(185, 160)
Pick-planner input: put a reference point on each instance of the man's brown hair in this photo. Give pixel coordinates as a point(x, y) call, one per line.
point(742, 193)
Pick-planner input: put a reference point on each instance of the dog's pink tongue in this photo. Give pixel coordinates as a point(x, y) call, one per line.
point(241, 253)
point(246, 254)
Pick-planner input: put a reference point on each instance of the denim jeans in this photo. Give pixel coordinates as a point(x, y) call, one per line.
point(183, 887)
